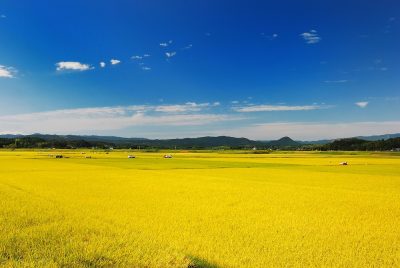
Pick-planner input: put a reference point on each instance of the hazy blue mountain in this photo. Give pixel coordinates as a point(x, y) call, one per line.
point(379, 137)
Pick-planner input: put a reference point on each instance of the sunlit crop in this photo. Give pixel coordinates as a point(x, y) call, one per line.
point(199, 210)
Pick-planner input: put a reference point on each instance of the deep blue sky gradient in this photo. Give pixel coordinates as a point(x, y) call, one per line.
point(233, 56)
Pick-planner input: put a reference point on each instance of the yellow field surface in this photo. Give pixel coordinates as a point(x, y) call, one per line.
point(199, 209)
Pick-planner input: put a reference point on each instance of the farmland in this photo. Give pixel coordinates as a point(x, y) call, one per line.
point(199, 209)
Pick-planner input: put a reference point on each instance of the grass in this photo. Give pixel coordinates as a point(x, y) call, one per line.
point(199, 210)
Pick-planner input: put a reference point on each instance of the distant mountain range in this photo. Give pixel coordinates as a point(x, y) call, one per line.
point(379, 137)
point(201, 142)
point(367, 138)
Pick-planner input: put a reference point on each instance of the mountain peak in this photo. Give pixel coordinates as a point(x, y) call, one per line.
point(283, 142)
point(286, 138)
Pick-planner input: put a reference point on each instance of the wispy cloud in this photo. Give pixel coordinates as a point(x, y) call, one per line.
point(275, 108)
point(73, 66)
point(2, 16)
point(108, 118)
point(145, 68)
point(187, 107)
point(115, 61)
point(7, 72)
point(311, 37)
point(270, 36)
point(187, 47)
point(165, 44)
point(170, 54)
point(378, 65)
point(362, 104)
point(137, 57)
point(102, 64)
point(140, 57)
point(389, 25)
point(336, 81)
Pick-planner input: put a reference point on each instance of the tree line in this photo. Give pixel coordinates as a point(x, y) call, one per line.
point(350, 144)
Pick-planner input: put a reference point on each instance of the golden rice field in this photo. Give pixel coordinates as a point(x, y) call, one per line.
point(199, 210)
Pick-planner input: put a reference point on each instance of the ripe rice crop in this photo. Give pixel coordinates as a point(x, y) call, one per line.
point(199, 209)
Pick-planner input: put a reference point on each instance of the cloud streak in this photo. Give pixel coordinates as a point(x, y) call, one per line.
point(111, 118)
point(137, 57)
point(73, 66)
point(115, 61)
point(362, 104)
point(187, 47)
point(187, 107)
point(311, 37)
point(166, 44)
point(276, 108)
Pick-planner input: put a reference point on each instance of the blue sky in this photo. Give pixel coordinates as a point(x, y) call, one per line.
point(161, 69)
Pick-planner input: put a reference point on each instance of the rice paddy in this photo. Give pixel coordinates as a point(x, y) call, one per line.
point(202, 209)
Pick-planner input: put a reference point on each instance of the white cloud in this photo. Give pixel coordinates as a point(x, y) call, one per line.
point(7, 72)
point(146, 55)
point(145, 68)
point(72, 65)
point(336, 81)
point(106, 118)
point(102, 64)
point(362, 104)
point(165, 44)
point(311, 37)
point(312, 131)
point(115, 62)
point(179, 108)
point(137, 57)
point(273, 108)
point(170, 54)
